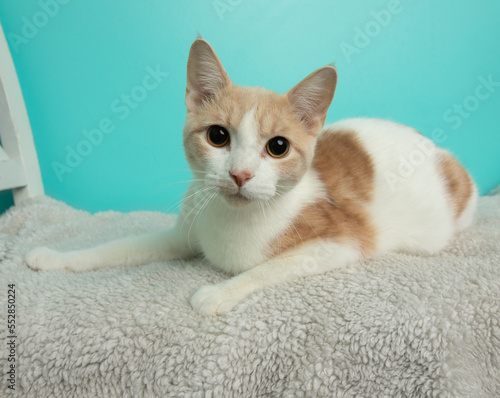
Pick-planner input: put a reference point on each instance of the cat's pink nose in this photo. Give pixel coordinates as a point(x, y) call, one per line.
point(241, 177)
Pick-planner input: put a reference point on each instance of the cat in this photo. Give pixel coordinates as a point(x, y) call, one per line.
point(278, 196)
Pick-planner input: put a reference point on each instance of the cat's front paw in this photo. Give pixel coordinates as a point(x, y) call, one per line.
point(45, 259)
point(214, 299)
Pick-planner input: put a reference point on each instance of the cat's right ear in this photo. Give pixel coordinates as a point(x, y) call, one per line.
point(205, 74)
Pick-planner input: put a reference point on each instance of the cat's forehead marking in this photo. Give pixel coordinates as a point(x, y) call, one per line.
point(248, 128)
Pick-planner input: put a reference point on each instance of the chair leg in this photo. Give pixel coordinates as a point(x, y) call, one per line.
point(20, 167)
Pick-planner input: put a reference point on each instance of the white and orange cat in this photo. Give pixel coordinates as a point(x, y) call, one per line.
point(276, 196)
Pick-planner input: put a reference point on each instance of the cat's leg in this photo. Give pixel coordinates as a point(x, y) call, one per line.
point(177, 242)
point(130, 251)
point(312, 258)
point(136, 250)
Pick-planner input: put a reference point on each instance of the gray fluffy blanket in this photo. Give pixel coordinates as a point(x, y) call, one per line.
point(396, 326)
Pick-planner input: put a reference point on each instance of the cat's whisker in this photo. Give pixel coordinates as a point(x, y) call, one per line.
point(180, 182)
point(176, 205)
point(179, 202)
point(204, 193)
point(205, 204)
point(165, 171)
point(261, 206)
point(158, 187)
point(198, 171)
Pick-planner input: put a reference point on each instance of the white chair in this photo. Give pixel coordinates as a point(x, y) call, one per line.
point(19, 169)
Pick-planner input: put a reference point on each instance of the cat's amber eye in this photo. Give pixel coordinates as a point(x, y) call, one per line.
point(217, 136)
point(277, 147)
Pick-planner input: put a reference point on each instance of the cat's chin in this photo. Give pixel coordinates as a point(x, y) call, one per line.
point(237, 200)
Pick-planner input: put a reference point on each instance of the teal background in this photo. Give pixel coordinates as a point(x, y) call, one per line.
point(416, 68)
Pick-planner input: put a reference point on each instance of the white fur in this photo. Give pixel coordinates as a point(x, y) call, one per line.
point(409, 210)
point(236, 239)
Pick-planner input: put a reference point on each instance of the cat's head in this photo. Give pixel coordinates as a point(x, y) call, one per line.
point(248, 143)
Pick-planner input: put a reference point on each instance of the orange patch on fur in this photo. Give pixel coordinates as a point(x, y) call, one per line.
point(458, 182)
point(347, 171)
point(275, 117)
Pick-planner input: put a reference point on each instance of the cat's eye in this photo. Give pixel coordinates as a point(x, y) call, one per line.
point(217, 136)
point(277, 147)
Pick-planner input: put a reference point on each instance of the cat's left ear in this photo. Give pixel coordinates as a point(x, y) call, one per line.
point(312, 97)
point(205, 74)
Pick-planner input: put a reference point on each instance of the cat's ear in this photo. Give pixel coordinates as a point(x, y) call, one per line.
point(205, 74)
point(312, 97)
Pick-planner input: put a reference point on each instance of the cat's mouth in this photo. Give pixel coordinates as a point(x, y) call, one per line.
point(240, 196)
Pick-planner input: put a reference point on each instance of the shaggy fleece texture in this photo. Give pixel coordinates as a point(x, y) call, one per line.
point(396, 326)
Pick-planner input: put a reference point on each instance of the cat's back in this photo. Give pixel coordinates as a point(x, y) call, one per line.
point(360, 157)
point(381, 141)
point(414, 193)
